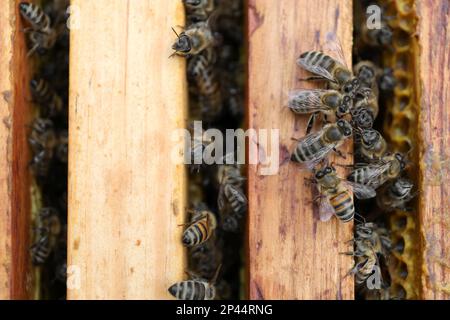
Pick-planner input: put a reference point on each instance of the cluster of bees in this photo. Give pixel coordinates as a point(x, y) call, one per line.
point(48, 139)
point(349, 106)
point(212, 44)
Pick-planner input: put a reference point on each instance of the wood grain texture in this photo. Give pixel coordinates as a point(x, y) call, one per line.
point(292, 255)
point(126, 198)
point(434, 132)
point(15, 267)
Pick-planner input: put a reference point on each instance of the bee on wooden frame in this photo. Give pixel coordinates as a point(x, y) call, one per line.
point(195, 289)
point(41, 34)
point(315, 147)
point(335, 195)
point(193, 40)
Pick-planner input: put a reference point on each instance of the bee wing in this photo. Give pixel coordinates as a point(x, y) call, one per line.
point(334, 46)
point(235, 193)
point(326, 210)
point(221, 199)
point(316, 69)
point(361, 191)
point(307, 100)
point(309, 140)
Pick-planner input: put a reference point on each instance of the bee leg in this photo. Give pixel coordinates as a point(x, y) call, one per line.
point(311, 121)
point(313, 78)
point(339, 153)
point(33, 50)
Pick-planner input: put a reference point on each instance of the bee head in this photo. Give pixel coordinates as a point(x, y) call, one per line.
point(192, 3)
point(387, 80)
point(370, 137)
point(366, 74)
point(345, 106)
point(183, 44)
point(401, 159)
point(401, 187)
point(345, 127)
point(384, 36)
point(351, 87)
point(363, 118)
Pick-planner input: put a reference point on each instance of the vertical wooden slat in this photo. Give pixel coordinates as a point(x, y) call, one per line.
point(292, 255)
point(434, 133)
point(15, 269)
point(126, 197)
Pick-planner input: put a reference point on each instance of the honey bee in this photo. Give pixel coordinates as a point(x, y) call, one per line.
point(315, 146)
point(46, 97)
point(328, 102)
point(204, 258)
point(41, 249)
point(202, 72)
point(377, 37)
point(395, 195)
point(365, 264)
point(49, 219)
point(377, 236)
point(328, 68)
point(198, 10)
point(42, 136)
point(365, 109)
point(196, 38)
point(41, 34)
point(62, 148)
point(336, 197)
point(374, 77)
point(195, 289)
point(42, 141)
point(202, 225)
point(231, 201)
point(371, 145)
point(389, 167)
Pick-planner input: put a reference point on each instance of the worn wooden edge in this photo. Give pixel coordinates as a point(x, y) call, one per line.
point(291, 254)
point(434, 135)
point(126, 198)
point(15, 268)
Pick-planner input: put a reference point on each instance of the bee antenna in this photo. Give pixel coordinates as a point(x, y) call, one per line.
point(216, 275)
point(358, 215)
point(178, 36)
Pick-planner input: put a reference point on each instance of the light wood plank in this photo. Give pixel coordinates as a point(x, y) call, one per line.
point(126, 198)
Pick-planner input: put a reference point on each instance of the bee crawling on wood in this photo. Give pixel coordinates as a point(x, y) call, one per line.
point(50, 102)
point(196, 38)
point(395, 195)
point(329, 102)
point(314, 147)
point(375, 174)
point(41, 34)
point(328, 68)
point(195, 289)
point(335, 195)
point(202, 225)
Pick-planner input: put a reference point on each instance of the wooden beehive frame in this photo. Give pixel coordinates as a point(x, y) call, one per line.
point(125, 200)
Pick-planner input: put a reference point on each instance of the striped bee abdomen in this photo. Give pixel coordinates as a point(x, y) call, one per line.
point(343, 206)
point(303, 153)
point(46, 97)
point(35, 16)
point(318, 59)
point(192, 290)
point(41, 250)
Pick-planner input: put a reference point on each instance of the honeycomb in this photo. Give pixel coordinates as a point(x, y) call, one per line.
point(400, 125)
